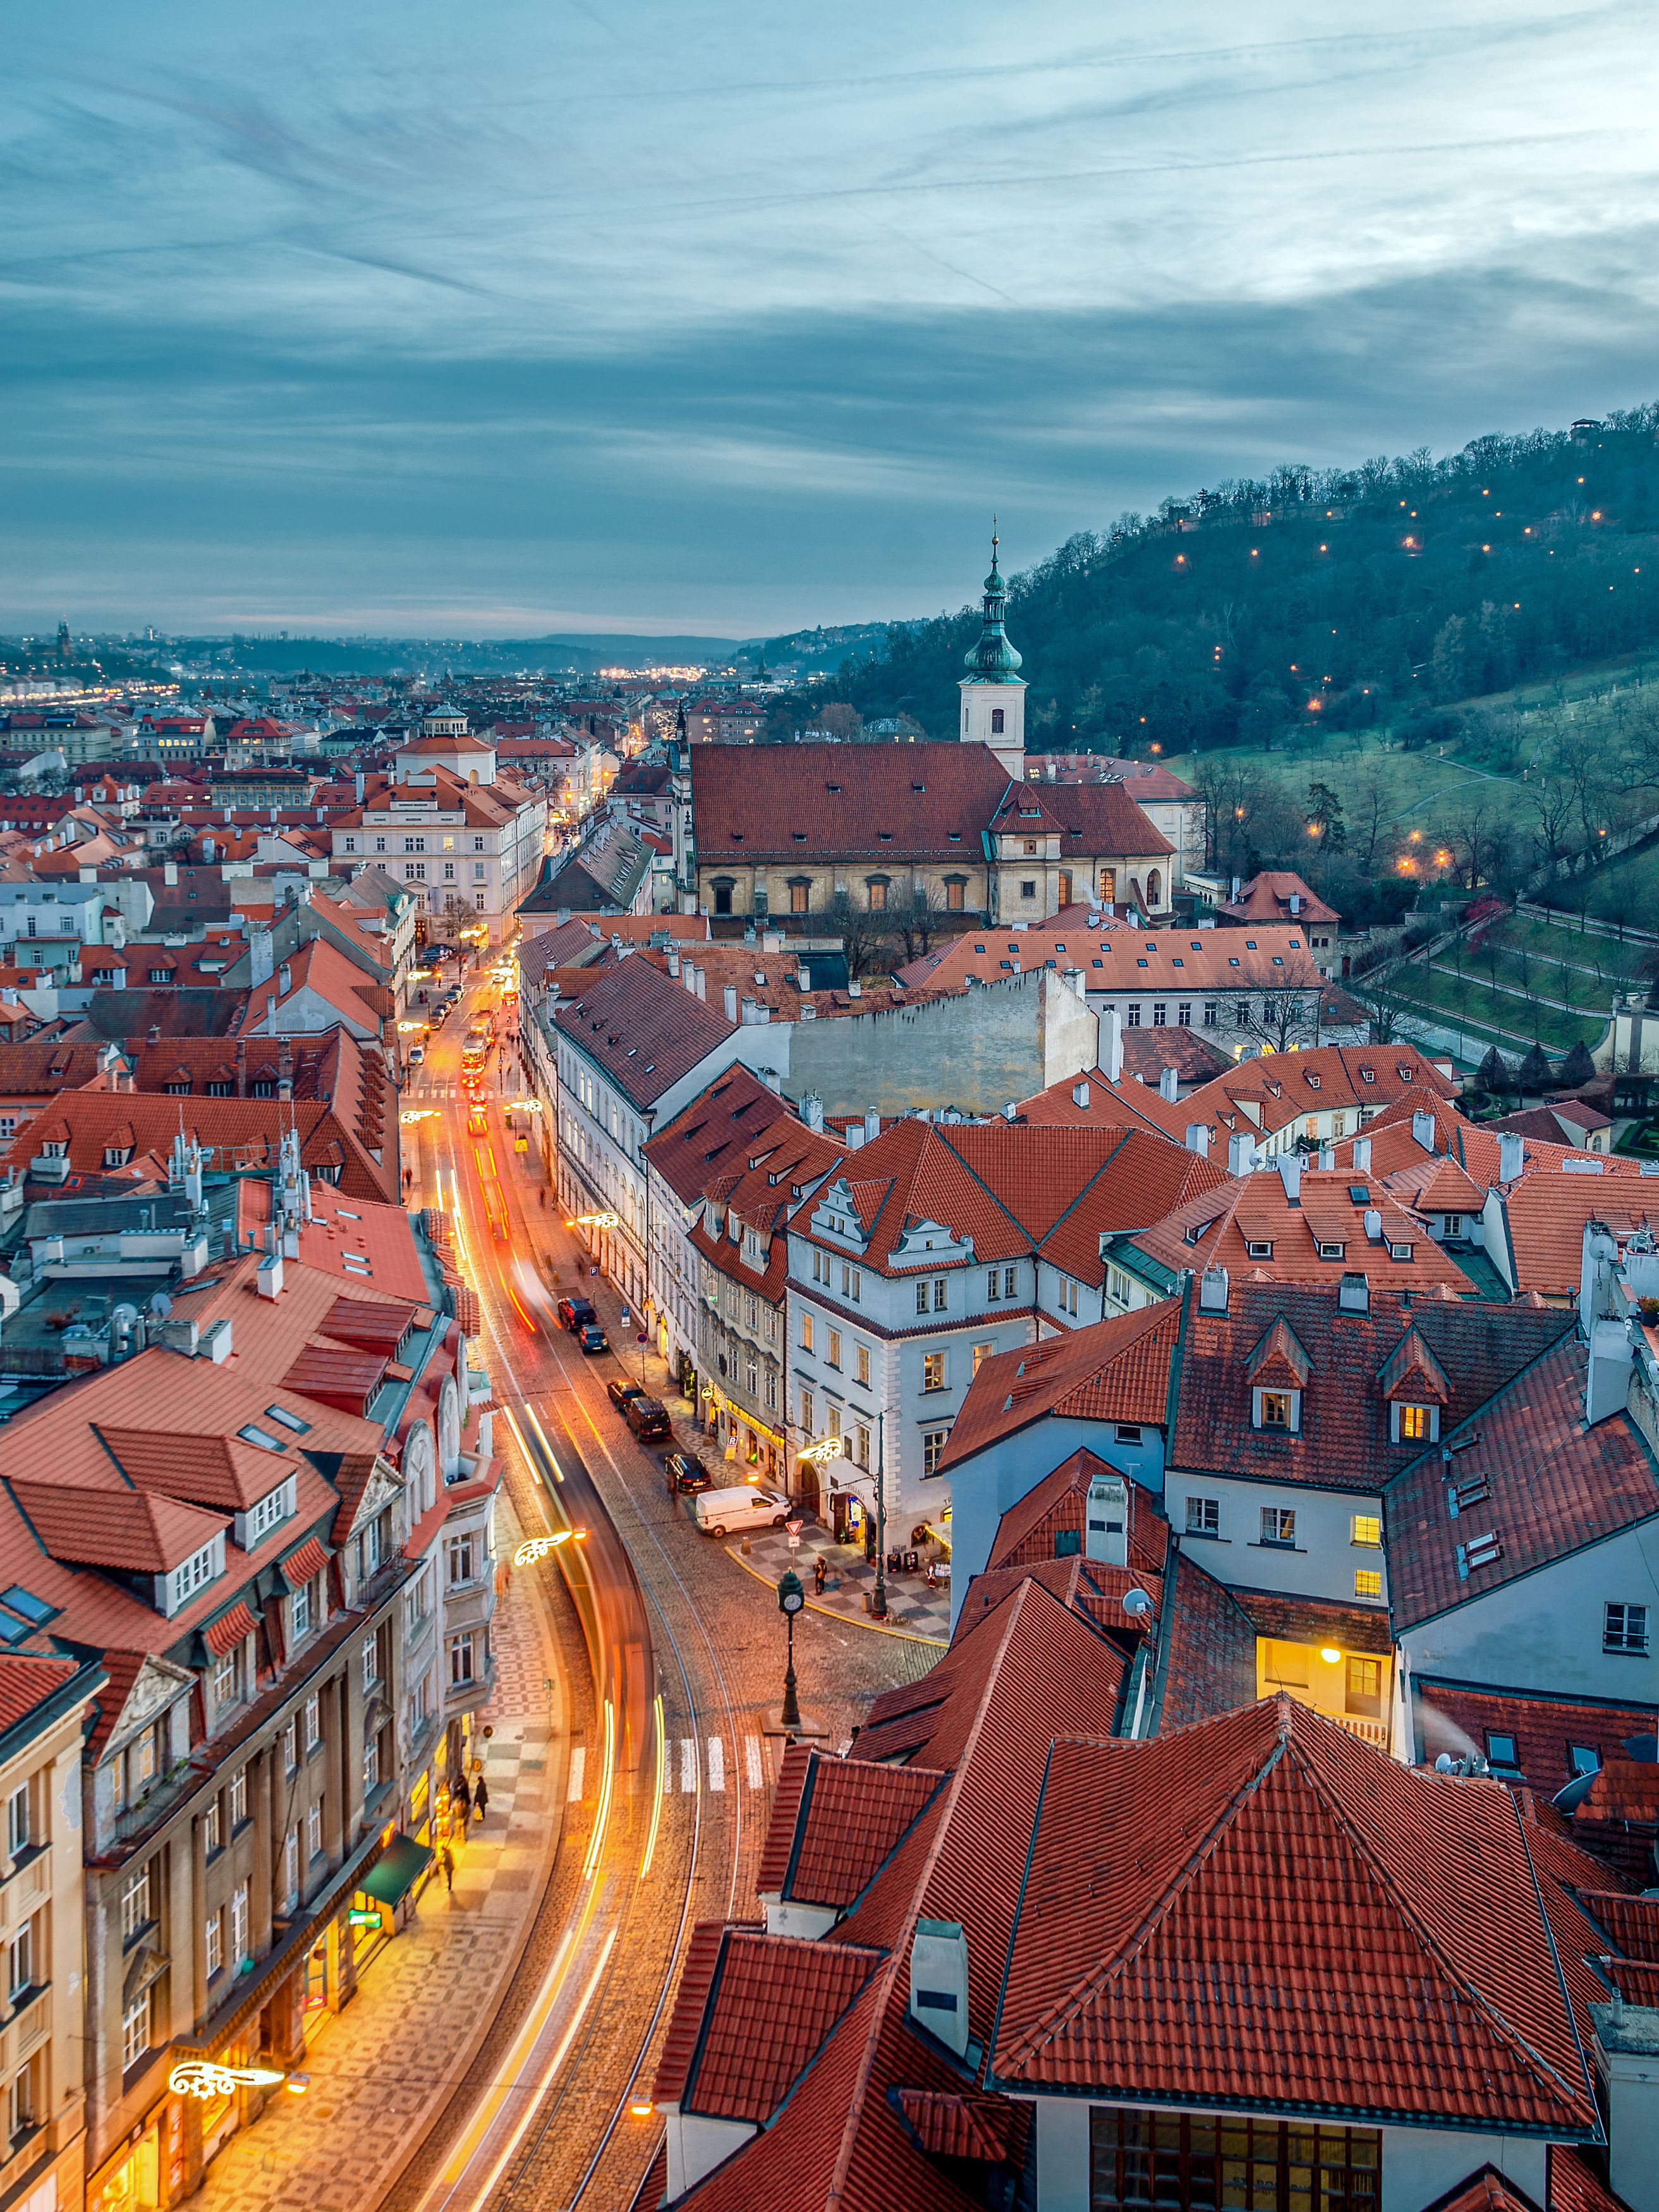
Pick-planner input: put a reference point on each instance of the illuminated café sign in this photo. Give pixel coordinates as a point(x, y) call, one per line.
point(537, 1548)
point(827, 1447)
point(202, 2077)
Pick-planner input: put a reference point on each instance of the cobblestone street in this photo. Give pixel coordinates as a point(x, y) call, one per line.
point(383, 2068)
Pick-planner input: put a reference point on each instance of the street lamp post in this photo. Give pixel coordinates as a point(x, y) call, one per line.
point(792, 1596)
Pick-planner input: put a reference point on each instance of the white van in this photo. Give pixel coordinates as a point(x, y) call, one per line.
point(715, 1511)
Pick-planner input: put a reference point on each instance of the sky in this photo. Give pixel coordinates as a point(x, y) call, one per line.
point(524, 316)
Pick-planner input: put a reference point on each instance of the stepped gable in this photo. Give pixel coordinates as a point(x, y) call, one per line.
point(1289, 1908)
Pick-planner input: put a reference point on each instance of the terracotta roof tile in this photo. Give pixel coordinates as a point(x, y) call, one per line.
point(223, 1634)
point(117, 1528)
point(835, 1826)
point(1291, 1907)
point(1451, 1716)
point(1209, 1657)
point(645, 1032)
point(27, 1681)
point(1548, 1486)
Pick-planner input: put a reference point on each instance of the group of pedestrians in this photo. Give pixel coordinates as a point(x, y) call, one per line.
point(465, 1800)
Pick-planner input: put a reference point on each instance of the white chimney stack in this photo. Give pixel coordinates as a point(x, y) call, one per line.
point(812, 1110)
point(1198, 1138)
point(1212, 1291)
point(871, 1126)
point(1374, 1225)
point(1169, 1086)
point(1512, 1155)
point(1080, 1096)
point(1111, 1045)
point(1326, 1157)
point(1423, 1129)
point(1240, 1152)
point(1362, 1155)
point(1290, 1173)
point(730, 996)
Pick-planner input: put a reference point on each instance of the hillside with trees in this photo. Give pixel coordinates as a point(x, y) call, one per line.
point(1252, 613)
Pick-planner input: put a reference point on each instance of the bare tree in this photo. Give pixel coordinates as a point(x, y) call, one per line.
point(1384, 1004)
point(862, 931)
point(1279, 1014)
point(917, 924)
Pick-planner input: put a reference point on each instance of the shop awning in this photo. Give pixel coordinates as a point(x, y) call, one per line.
point(397, 1870)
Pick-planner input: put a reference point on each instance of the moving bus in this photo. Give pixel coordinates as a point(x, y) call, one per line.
point(474, 1052)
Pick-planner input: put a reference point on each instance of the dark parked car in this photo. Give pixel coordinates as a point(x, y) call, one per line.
point(574, 1312)
point(622, 1390)
point(591, 1337)
point(649, 1419)
point(685, 1470)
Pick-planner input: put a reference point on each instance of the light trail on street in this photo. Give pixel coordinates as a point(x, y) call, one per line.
point(553, 2127)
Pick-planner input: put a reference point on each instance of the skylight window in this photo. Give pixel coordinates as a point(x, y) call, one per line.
point(33, 1609)
point(288, 1420)
point(253, 1435)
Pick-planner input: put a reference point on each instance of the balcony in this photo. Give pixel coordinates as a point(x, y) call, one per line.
point(1368, 1731)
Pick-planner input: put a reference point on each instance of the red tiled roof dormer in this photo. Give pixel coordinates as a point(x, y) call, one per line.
point(1412, 1365)
point(115, 1527)
point(1278, 1360)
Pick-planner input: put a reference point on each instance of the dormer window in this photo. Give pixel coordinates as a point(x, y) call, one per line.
point(1331, 1251)
point(1414, 1424)
point(1277, 1411)
point(1260, 1248)
point(195, 1573)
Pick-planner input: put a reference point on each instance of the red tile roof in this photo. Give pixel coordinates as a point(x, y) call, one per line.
point(1343, 1440)
point(1451, 1717)
point(1292, 1912)
point(1267, 897)
point(1026, 1532)
point(761, 2015)
point(145, 1535)
point(223, 1634)
point(1209, 1658)
point(835, 1822)
point(1550, 1487)
point(645, 1032)
point(305, 1560)
point(216, 1471)
point(27, 1681)
point(1324, 1232)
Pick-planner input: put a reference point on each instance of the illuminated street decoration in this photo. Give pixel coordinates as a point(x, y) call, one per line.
point(200, 2077)
point(537, 1548)
point(524, 1106)
point(827, 1447)
point(419, 1114)
point(594, 1221)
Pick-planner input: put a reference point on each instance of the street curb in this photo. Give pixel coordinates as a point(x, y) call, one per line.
point(874, 1627)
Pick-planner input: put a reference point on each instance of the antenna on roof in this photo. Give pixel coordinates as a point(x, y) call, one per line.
point(161, 1304)
point(1136, 1603)
point(1569, 1799)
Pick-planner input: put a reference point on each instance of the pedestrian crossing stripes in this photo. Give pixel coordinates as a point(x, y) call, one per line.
point(686, 1777)
point(716, 1763)
point(688, 1763)
point(751, 1755)
point(578, 1770)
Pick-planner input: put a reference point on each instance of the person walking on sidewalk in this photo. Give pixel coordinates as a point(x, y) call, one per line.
point(460, 1803)
point(446, 1861)
point(480, 1797)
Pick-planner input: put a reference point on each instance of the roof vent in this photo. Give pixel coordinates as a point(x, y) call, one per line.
point(1212, 1291)
point(938, 1982)
point(1374, 1225)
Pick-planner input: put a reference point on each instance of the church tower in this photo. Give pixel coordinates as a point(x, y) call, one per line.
point(992, 690)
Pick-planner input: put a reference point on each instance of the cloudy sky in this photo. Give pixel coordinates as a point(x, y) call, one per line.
point(519, 315)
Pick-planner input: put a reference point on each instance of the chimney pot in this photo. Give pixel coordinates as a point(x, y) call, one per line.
point(1198, 1138)
point(1362, 1155)
point(1240, 1152)
point(1169, 1086)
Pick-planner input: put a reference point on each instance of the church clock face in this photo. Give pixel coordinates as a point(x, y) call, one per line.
point(419, 1472)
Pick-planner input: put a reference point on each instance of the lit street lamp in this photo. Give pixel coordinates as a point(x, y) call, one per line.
point(792, 1596)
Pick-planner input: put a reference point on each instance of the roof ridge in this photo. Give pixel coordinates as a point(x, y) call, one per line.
point(1467, 1989)
point(1097, 1978)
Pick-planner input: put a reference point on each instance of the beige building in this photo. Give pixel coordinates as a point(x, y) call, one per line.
point(43, 1710)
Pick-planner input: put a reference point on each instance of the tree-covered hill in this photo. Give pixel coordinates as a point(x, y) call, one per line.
point(1334, 598)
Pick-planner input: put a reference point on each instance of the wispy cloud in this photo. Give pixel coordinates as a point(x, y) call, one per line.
point(707, 318)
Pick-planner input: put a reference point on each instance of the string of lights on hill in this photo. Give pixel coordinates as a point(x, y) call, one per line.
point(1343, 595)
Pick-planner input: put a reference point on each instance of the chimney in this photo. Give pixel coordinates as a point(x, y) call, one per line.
point(1106, 1517)
point(803, 977)
point(1212, 1291)
point(1111, 1045)
point(1374, 1225)
point(1362, 1155)
point(730, 997)
point(703, 984)
point(169, 871)
point(1326, 1157)
point(1628, 2038)
point(1169, 1086)
point(1080, 1096)
point(241, 1068)
point(285, 978)
point(1240, 1152)
point(180, 1336)
point(748, 1005)
point(854, 1136)
point(1290, 1173)
point(285, 1070)
point(1236, 888)
point(262, 957)
point(216, 1340)
point(1606, 1371)
point(1423, 1129)
point(938, 1982)
point(1011, 1111)
point(1353, 1295)
point(1198, 1138)
point(812, 1111)
point(855, 989)
point(674, 963)
point(1512, 1155)
point(1295, 902)
point(871, 1126)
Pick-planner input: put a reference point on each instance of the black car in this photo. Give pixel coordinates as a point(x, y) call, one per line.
point(685, 1470)
point(649, 1419)
point(622, 1390)
point(576, 1313)
point(591, 1337)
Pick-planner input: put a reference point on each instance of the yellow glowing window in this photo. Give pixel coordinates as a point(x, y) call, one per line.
point(1367, 1583)
point(1367, 1529)
point(1413, 1424)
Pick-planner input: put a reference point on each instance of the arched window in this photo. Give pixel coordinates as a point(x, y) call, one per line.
point(877, 887)
point(1154, 887)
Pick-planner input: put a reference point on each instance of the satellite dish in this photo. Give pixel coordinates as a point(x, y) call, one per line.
point(160, 1305)
point(1445, 1764)
point(1136, 1604)
point(124, 1317)
point(1569, 1799)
